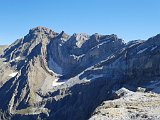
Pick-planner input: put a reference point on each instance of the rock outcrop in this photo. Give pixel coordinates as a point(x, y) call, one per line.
point(130, 106)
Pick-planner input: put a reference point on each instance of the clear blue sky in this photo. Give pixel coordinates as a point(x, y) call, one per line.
point(129, 19)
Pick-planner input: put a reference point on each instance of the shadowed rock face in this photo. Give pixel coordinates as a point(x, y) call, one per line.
point(49, 75)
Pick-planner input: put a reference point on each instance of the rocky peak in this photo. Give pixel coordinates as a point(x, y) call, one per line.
point(40, 29)
point(80, 36)
point(36, 36)
point(99, 37)
point(64, 35)
point(95, 36)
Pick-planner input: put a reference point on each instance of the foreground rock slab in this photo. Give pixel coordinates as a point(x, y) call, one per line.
point(130, 106)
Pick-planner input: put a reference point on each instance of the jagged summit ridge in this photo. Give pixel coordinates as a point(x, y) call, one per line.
point(40, 29)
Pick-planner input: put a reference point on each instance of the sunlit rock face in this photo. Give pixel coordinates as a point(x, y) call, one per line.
point(49, 75)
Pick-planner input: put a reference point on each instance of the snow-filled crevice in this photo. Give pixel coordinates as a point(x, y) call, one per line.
point(141, 51)
point(13, 74)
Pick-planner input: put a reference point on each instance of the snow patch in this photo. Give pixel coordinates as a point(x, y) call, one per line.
point(103, 43)
point(153, 48)
point(64, 39)
point(56, 83)
point(92, 77)
point(98, 68)
point(133, 43)
point(96, 76)
point(87, 80)
point(13, 74)
point(15, 59)
point(141, 51)
point(52, 72)
point(77, 57)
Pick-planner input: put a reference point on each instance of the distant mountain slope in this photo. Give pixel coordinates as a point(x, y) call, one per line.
point(50, 75)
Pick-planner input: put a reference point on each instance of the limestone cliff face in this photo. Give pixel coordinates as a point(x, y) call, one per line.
point(49, 75)
point(135, 64)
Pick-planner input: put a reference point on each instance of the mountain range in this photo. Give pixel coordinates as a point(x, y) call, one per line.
point(54, 76)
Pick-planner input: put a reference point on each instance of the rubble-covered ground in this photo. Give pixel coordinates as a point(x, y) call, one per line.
point(129, 106)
